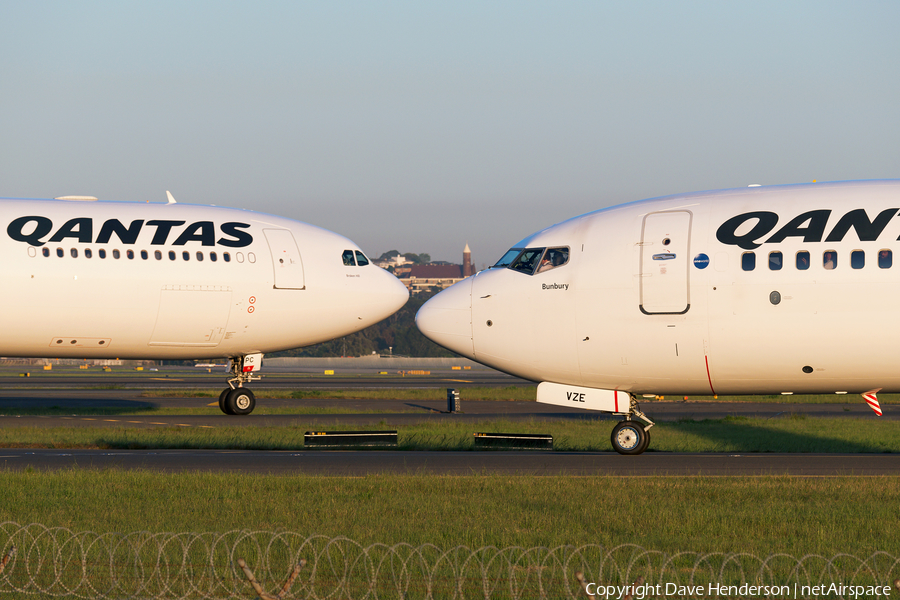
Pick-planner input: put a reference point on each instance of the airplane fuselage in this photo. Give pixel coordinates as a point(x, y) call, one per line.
point(761, 290)
point(145, 281)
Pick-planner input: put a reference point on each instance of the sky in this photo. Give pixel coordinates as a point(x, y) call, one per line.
point(421, 126)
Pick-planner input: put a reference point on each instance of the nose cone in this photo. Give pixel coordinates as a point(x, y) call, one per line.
point(446, 319)
point(390, 295)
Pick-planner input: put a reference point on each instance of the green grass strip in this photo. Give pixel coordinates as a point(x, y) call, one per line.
point(797, 434)
point(760, 515)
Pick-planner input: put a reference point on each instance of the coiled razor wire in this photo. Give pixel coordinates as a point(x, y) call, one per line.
point(56, 562)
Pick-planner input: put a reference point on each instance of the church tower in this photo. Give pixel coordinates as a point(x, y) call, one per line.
point(467, 268)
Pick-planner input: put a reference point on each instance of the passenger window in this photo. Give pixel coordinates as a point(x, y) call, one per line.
point(116, 254)
point(144, 255)
point(157, 255)
point(775, 261)
point(212, 256)
point(239, 256)
point(74, 252)
point(802, 260)
point(45, 251)
point(748, 261)
point(101, 253)
point(527, 261)
point(251, 257)
point(172, 255)
point(361, 259)
point(885, 259)
point(129, 254)
point(226, 257)
point(857, 259)
point(347, 257)
point(508, 258)
point(60, 253)
point(829, 260)
point(186, 255)
point(199, 255)
point(88, 253)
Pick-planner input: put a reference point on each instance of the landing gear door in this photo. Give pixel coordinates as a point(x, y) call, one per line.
point(665, 247)
point(285, 259)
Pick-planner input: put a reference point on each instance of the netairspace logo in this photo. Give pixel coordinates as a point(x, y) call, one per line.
point(714, 590)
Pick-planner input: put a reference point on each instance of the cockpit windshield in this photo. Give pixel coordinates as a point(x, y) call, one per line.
point(528, 260)
point(533, 260)
point(507, 259)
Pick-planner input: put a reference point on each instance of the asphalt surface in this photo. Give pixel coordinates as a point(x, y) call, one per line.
point(128, 404)
point(181, 377)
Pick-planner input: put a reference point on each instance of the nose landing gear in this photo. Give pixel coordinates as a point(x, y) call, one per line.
point(631, 437)
point(236, 399)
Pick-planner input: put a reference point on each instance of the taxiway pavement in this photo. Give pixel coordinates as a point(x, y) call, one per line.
point(130, 405)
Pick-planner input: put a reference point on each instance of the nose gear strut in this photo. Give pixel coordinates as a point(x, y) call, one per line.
point(631, 437)
point(236, 399)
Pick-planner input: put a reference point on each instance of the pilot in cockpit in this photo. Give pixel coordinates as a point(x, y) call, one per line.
point(553, 258)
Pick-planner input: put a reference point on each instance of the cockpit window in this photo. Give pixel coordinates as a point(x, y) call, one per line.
point(528, 260)
point(361, 259)
point(507, 259)
point(347, 256)
point(553, 257)
point(533, 260)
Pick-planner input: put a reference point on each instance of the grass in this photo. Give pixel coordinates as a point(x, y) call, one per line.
point(732, 434)
point(757, 515)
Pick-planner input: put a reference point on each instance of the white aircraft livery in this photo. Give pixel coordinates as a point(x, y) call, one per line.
point(91, 279)
point(759, 290)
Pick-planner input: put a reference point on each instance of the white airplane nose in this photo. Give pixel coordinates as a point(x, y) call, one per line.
point(392, 294)
point(446, 319)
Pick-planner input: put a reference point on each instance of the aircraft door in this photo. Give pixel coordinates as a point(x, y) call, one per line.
point(192, 315)
point(285, 259)
point(665, 249)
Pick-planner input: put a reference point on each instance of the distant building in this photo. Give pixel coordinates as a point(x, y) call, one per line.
point(423, 278)
point(394, 261)
point(467, 268)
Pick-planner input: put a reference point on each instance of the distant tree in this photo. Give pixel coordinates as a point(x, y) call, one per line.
point(424, 259)
point(389, 255)
point(412, 257)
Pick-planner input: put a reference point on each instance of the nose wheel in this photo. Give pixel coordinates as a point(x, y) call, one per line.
point(630, 437)
point(236, 399)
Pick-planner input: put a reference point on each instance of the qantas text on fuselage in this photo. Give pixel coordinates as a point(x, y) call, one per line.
point(810, 226)
point(33, 229)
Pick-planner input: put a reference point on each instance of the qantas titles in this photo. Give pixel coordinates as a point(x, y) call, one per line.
point(34, 229)
point(809, 225)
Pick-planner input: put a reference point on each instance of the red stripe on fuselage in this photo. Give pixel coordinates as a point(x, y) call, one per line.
point(708, 378)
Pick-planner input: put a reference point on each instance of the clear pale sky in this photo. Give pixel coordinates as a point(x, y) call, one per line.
point(422, 126)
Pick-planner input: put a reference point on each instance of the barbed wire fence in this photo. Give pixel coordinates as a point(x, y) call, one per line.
point(56, 562)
